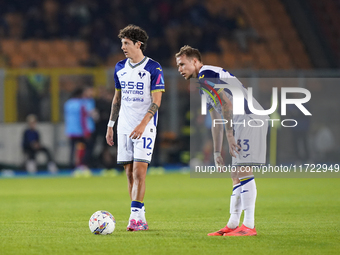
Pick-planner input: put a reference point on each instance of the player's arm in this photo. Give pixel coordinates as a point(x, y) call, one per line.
point(217, 135)
point(115, 107)
point(227, 111)
point(156, 103)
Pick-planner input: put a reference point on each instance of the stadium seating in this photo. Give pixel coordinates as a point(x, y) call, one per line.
point(281, 47)
point(327, 14)
point(40, 53)
point(278, 45)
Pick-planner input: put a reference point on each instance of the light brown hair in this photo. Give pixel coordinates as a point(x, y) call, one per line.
point(190, 52)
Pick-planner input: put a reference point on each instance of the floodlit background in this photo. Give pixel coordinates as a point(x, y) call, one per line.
point(49, 48)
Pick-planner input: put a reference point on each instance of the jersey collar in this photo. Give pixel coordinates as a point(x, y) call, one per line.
point(134, 66)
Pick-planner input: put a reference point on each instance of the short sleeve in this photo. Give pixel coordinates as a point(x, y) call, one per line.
point(117, 83)
point(119, 66)
point(208, 77)
point(157, 79)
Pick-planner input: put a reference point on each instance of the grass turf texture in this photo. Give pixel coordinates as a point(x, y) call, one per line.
point(50, 216)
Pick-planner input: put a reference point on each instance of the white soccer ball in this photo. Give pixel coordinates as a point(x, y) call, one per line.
point(102, 223)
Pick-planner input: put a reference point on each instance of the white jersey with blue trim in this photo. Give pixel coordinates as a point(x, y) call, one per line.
point(137, 82)
point(218, 75)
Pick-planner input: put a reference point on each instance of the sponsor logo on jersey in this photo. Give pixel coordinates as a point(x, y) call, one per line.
point(160, 80)
point(132, 99)
point(159, 69)
point(123, 74)
point(201, 77)
point(246, 155)
point(206, 87)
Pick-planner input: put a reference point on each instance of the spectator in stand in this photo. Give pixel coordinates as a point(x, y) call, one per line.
point(31, 146)
point(170, 23)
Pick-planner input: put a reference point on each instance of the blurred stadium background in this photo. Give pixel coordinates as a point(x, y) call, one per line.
point(50, 47)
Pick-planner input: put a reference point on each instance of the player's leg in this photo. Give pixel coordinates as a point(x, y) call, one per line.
point(129, 174)
point(248, 196)
point(143, 149)
point(235, 208)
point(137, 195)
point(134, 188)
point(248, 199)
point(139, 174)
point(253, 143)
point(235, 199)
point(137, 219)
point(136, 184)
point(235, 203)
point(125, 157)
point(235, 211)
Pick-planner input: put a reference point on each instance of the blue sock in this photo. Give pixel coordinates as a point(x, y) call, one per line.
point(137, 204)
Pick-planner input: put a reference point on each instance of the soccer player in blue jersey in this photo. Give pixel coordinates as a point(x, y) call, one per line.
point(247, 145)
point(139, 86)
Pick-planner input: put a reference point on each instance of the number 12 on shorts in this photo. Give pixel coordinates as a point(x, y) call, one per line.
point(245, 142)
point(147, 141)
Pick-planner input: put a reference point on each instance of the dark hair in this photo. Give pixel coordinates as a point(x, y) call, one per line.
point(135, 34)
point(77, 93)
point(190, 52)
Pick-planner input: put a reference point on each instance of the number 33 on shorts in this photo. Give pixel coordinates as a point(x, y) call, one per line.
point(245, 143)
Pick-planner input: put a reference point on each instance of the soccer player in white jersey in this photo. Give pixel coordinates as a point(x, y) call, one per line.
point(247, 145)
point(139, 86)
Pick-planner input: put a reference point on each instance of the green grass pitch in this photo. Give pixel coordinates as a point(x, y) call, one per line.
point(50, 216)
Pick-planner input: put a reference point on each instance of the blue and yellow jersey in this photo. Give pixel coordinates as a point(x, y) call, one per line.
point(137, 82)
point(211, 75)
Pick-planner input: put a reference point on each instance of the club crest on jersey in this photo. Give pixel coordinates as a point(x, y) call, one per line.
point(141, 74)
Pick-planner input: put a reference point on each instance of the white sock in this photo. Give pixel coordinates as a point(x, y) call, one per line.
point(142, 214)
point(235, 207)
point(135, 212)
point(248, 198)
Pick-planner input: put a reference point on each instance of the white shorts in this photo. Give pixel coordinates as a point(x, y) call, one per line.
point(138, 150)
point(253, 141)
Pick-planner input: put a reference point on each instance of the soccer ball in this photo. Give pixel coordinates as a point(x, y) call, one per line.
point(102, 223)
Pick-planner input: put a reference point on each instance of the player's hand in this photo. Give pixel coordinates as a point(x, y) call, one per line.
point(109, 136)
point(137, 132)
point(218, 160)
point(233, 146)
